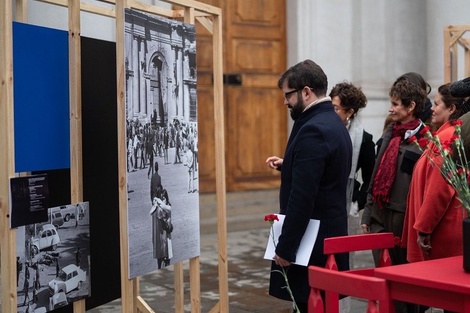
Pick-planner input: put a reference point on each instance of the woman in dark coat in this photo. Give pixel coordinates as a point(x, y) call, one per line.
point(386, 203)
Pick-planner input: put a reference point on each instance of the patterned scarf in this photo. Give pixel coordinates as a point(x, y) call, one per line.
point(388, 165)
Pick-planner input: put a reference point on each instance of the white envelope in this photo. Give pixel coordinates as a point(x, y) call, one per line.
point(306, 244)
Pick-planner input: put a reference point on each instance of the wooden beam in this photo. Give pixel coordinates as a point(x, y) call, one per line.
point(178, 286)
point(127, 292)
point(7, 156)
point(21, 11)
point(219, 130)
point(458, 28)
point(75, 90)
point(149, 8)
point(207, 23)
point(455, 36)
point(84, 6)
point(454, 55)
point(195, 284)
point(142, 306)
point(447, 66)
point(199, 6)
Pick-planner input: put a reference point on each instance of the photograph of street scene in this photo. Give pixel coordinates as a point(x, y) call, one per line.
point(53, 259)
point(162, 142)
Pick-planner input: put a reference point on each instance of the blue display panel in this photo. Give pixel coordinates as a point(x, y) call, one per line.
point(41, 98)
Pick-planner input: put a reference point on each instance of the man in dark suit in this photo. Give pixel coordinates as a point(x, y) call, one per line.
point(314, 174)
point(155, 184)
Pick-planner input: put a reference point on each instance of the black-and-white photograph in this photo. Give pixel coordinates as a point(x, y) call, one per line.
point(162, 142)
point(53, 259)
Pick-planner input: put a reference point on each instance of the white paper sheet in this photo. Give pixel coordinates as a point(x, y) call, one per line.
point(306, 245)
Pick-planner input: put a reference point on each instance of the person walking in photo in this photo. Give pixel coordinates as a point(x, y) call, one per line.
point(314, 175)
point(155, 184)
point(57, 267)
point(78, 256)
point(188, 161)
point(26, 291)
point(19, 266)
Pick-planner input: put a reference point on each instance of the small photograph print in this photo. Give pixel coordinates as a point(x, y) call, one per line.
point(53, 259)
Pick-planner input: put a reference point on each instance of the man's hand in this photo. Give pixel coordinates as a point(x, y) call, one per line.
point(280, 261)
point(365, 228)
point(274, 162)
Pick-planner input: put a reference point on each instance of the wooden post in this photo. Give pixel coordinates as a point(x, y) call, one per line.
point(447, 67)
point(7, 169)
point(221, 195)
point(128, 298)
point(75, 90)
point(453, 37)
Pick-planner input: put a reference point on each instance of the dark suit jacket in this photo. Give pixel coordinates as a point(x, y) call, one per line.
point(314, 175)
point(155, 183)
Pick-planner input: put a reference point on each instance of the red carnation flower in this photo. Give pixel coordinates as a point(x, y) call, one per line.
point(423, 142)
point(271, 218)
point(457, 122)
point(424, 130)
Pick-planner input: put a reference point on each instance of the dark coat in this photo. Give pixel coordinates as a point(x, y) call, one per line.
point(391, 217)
point(314, 175)
point(155, 184)
point(408, 154)
point(365, 163)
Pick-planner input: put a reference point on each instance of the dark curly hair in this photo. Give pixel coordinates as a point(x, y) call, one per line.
point(351, 96)
point(409, 92)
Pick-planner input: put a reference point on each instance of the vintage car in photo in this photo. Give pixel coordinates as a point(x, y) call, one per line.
point(70, 277)
point(58, 300)
point(56, 218)
point(68, 212)
point(47, 237)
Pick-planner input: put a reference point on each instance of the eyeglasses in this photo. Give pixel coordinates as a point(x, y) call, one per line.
point(288, 94)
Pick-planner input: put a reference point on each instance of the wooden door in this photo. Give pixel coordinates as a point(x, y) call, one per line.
point(255, 117)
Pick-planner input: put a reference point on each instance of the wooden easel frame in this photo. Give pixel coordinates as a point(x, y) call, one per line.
point(453, 38)
point(208, 16)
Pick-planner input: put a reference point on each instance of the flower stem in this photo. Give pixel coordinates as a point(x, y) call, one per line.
point(284, 274)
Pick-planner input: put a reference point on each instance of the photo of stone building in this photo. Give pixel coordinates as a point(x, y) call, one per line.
point(162, 137)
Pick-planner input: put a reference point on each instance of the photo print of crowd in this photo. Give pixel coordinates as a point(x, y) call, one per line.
point(162, 142)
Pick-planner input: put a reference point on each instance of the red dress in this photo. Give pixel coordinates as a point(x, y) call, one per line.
point(433, 208)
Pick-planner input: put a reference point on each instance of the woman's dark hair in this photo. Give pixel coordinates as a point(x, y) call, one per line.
point(416, 79)
point(165, 195)
point(351, 96)
point(460, 105)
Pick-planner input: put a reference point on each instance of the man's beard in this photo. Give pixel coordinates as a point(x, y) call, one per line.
point(296, 110)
